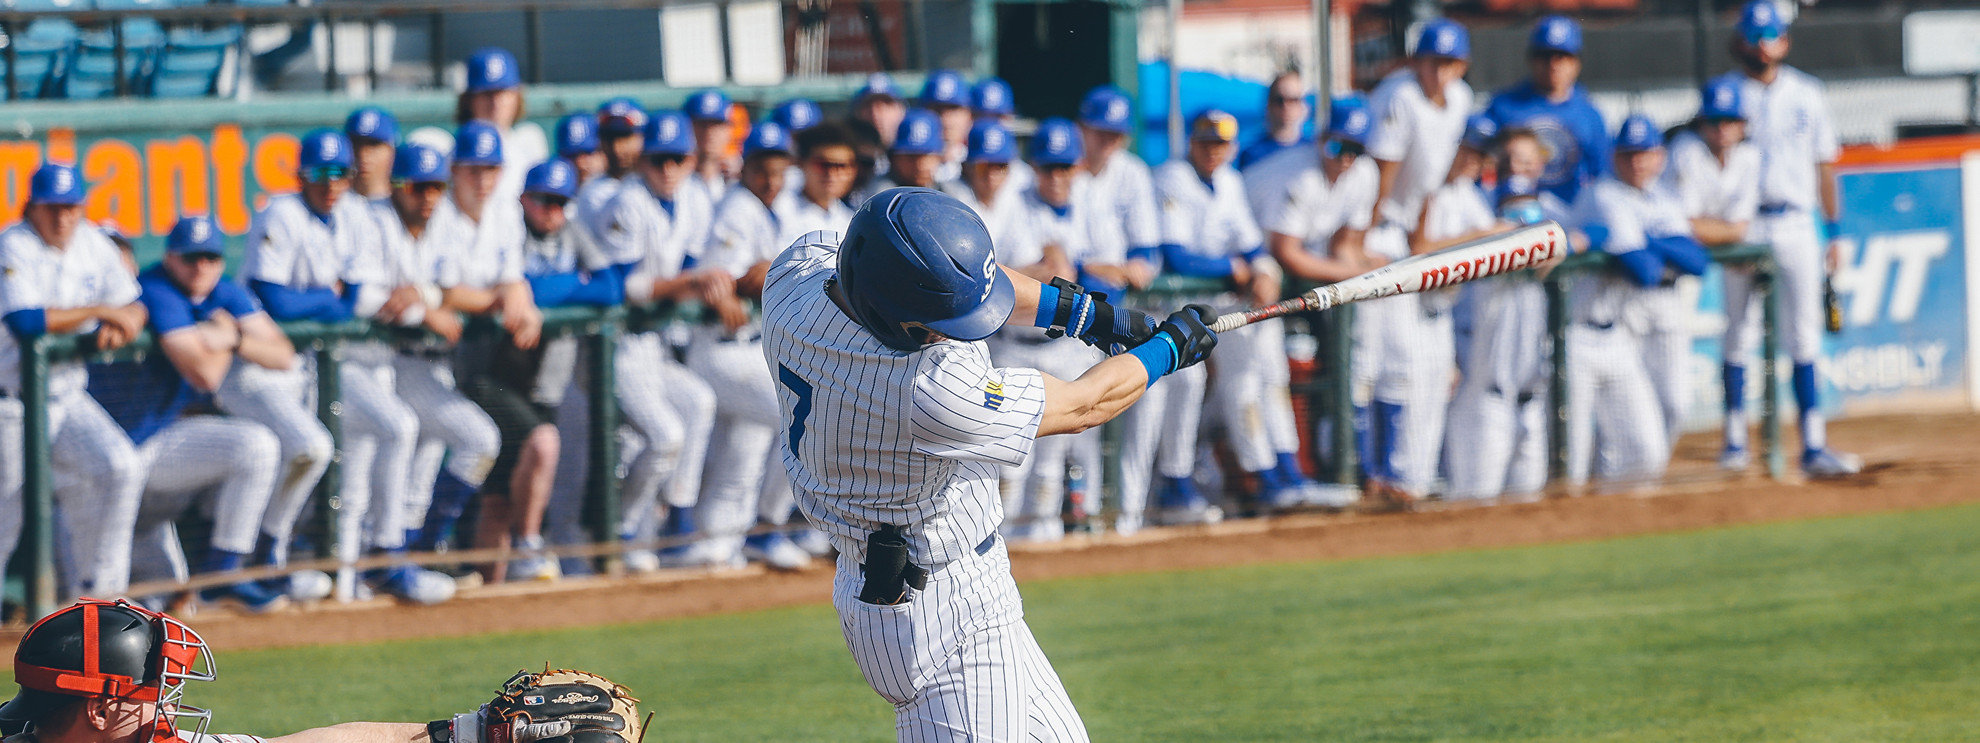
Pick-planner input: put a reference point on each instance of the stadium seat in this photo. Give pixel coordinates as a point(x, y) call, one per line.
point(197, 38)
point(33, 6)
point(31, 73)
point(139, 33)
point(181, 85)
point(60, 31)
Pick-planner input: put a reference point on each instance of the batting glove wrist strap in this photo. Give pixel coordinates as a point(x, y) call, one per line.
point(1158, 356)
point(1064, 308)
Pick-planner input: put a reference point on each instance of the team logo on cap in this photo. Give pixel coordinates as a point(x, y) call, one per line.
point(201, 230)
point(1557, 33)
point(918, 131)
point(945, 87)
point(495, 66)
point(1722, 98)
point(1356, 120)
point(993, 140)
point(367, 121)
point(1057, 141)
point(484, 145)
point(1117, 109)
point(669, 129)
point(65, 180)
point(1444, 41)
point(1763, 13)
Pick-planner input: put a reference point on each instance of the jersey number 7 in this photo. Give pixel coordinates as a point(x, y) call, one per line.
point(802, 409)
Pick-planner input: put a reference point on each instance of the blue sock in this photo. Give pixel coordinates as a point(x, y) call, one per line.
point(1289, 470)
point(265, 552)
point(1388, 417)
point(1735, 379)
point(221, 561)
point(1364, 439)
point(450, 499)
point(1805, 393)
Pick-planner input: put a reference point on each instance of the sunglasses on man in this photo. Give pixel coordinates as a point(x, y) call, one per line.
point(549, 200)
point(326, 173)
point(663, 159)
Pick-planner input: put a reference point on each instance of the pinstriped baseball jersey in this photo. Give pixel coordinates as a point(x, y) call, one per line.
point(1211, 220)
point(874, 436)
point(290, 246)
point(1633, 216)
point(1788, 121)
point(591, 210)
point(659, 236)
point(1125, 189)
point(35, 276)
point(1313, 208)
point(1008, 223)
point(1707, 188)
point(477, 253)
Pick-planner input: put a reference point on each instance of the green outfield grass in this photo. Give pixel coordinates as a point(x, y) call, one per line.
point(1853, 629)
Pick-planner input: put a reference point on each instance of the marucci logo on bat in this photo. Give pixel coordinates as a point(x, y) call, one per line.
point(1509, 259)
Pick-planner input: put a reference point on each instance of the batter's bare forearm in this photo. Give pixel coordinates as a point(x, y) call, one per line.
point(360, 732)
point(1098, 396)
point(1025, 312)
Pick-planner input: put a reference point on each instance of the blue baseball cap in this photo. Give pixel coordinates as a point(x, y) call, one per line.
point(767, 136)
point(553, 177)
point(577, 134)
point(1348, 119)
point(55, 184)
point(944, 88)
point(1555, 33)
point(619, 117)
point(492, 68)
point(477, 143)
point(707, 105)
point(1638, 133)
point(920, 133)
point(373, 123)
point(991, 142)
point(992, 97)
point(878, 84)
point(668, 133)
point(1108, 109)
point(1056, 142)
point(418, 163)
point(1721, 100)
point(1479, 131)
point(324, 147)
point(1443, 37)
point(195, 236)
point(797, 114)
point(1761, 21)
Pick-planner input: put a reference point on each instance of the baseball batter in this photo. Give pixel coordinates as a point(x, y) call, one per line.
point(1404, 346)
point(895, 427)
point(1715, 173)
point(203, 323)
point(1616, 409)
point(1788, 121)
point(60, 274)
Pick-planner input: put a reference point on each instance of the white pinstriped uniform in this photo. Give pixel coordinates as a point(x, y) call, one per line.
point(83, 441)
point(744, 481)
point(1021, 226)
point(424, 375)
point(1788, 122)
point(672, 410)
point(181, 467)
point(873, 436)
point(591, 210)
point(1409, 338)
point(289, 246)
point(1126, 189)
point(1614, 414)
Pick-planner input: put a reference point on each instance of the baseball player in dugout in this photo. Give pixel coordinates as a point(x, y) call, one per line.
point(1787, 117)
point(60, 274)
point(114, 672)
point(896, 424)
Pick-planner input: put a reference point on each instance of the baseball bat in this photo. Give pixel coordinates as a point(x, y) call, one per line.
point(1491, 255)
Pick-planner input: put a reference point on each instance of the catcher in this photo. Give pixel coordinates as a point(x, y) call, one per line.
point(113, 672)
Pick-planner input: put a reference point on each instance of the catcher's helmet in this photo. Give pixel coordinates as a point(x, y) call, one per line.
point(916, 260)
point(108, 650)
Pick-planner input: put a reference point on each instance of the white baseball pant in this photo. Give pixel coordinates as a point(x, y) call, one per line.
point(1253, 394)
point(451, 428)
point(380, 434)
point(1034, 492)
point(229, 465)
point(1615, 425)
point(957, 660)
point(1799, 260)
point(87, 447)
point(278, 400)
point(1417, 358)
point(744, 480)
point(673, 411)
point(1160, 435)
point(1496, 442)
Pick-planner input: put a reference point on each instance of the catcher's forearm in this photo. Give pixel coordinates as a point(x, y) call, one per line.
point(360, 732)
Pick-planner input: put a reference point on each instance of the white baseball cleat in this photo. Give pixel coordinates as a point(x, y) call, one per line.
point(535, 564)
point(415, 585)
point(813, 541)
point(308, 585)
point(1330, 495)
point(776, 550)
point(1827, 463)
point(1735, 459)
point(641, 561)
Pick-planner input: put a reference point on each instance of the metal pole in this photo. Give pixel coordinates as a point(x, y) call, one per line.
point(13, 60)
point(1323, 65)
point(1770, 386)
point(1557, 321)
point(1701, 38)
point(1339, 323)
point(436, 48)
point(38, 482)
point(1176, 142)
point(371, 55)
point(330, 410)
point(533, 43)
point(330, 54)
point(602, 488)
point(116, 48)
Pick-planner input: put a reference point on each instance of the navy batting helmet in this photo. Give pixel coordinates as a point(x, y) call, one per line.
point(915, 261)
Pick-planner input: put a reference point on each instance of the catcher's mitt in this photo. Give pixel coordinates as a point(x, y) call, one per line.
point(560, 706)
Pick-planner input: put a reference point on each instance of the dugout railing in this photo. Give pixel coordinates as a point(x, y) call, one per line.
point(1328, 394)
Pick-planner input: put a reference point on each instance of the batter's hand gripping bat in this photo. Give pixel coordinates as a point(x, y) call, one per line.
point(1512, 250)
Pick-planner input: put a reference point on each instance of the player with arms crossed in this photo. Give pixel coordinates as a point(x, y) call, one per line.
point(895, 426)
point(1788, 121)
